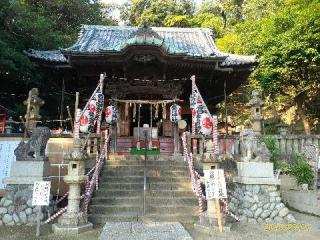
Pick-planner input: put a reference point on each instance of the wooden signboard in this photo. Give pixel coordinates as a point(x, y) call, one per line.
point(40, 197)
point(215, 184)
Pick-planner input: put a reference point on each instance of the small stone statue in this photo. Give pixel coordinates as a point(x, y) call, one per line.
point(34, 149)
point(252, 149)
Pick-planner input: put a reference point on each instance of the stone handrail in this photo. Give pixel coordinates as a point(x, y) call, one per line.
point(288, 145)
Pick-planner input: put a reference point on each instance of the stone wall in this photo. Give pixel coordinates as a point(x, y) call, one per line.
point(16, 206)
point(259, 204)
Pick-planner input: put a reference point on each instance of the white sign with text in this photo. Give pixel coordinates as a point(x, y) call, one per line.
point(215, 184)
point(41, 193)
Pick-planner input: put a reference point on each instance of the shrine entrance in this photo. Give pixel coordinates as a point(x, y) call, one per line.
point(144, 124)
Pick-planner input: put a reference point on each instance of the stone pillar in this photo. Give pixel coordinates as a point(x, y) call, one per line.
point(74, 221)
point(256, 115)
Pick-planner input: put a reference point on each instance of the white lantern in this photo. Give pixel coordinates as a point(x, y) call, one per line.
point(87, 121)
point(205, 124)
point(175, 113)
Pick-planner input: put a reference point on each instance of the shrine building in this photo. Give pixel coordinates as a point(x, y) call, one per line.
point(147, 69)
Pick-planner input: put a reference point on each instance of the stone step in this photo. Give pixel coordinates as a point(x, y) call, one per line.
point(150, 172)
point(116, 209)
point(149, 163)
point(111, 200)
point(152, 193)
point(169, 193)
point(183, 179)
point(190, 200)
point(136, 200)
point(121, 179)
point(141, 167)
point(98, 219)
point(150, 186)
point(113, 157)
point(118, 193)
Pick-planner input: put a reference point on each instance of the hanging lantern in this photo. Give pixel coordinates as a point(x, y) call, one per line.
point(175, 113)
point(87, 121)
point(111, 114)
point(205, 124)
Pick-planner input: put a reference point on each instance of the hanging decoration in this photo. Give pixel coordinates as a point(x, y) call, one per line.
point(156, 113)
point(111, 114)
point(134, 113)
point(126, 111)
point(175, 113)
point(205, 124)
point(99, 99)
point(164, 111)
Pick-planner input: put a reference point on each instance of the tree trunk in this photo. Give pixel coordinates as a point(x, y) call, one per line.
point(301, 112)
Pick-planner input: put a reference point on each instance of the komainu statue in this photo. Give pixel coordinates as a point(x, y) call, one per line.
point(252, 149)
point(34, 148)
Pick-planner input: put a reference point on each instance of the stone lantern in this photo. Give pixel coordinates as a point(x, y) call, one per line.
point(256, 114)
point(74, 220)
point(33, 103)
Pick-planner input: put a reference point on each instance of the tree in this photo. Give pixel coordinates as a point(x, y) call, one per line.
point(288, 43)
point(39, 24)
point(157, 12)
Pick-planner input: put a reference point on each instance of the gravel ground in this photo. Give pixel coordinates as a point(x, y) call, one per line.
point(238, 232)
point(309, 229)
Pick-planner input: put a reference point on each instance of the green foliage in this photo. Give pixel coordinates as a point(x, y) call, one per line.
point(302, 171)
point(271, 145)
point(157, 12)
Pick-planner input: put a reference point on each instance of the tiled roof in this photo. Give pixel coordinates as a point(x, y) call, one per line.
point(189, 42)
point(50, 56)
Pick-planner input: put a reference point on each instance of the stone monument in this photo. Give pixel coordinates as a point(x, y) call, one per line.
point(31, 165)
point(256, 198)
point(74, 221)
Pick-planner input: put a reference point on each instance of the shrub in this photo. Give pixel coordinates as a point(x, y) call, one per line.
point(301, 170)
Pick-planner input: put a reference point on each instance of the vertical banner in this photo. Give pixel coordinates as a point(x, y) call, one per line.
point(215, 184)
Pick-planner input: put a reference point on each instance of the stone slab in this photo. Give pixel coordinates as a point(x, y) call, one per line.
point(255, 169)
point(303, 201)
point(259, 181)
point(65, 230)
point(144, 231)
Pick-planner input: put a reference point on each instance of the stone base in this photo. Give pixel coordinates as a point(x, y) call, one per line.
point(27, 172)
point(256, 181)
point(258, 203)
point(16, 206)
point(255, 169)
point(71, 230)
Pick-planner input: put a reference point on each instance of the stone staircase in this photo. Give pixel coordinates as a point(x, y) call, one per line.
point(120, 195)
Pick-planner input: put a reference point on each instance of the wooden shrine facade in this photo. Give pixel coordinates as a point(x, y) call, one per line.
point(146, 63)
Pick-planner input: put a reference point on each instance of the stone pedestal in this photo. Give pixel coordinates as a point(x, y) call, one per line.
point(74, 221)
point(16, 206)
point(256, 198)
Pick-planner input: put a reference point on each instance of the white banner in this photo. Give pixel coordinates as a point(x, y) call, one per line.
point(215, 184)
point(41, 193)
point(6, 158)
